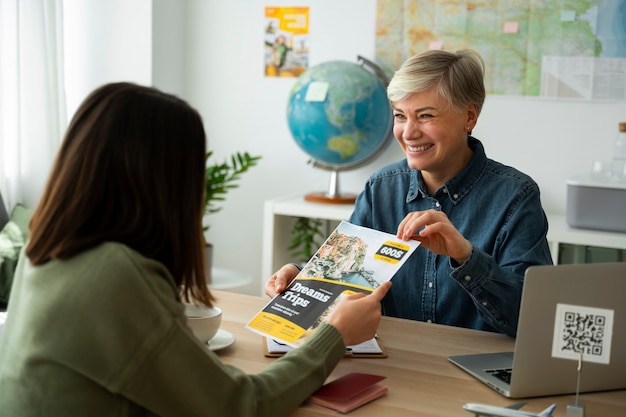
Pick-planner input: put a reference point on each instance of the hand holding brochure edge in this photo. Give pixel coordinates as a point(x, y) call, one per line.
point(353, 260)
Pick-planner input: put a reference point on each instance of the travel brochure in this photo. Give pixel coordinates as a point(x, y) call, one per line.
point(352, 259)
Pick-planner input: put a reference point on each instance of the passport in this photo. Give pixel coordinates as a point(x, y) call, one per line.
point(349, 392)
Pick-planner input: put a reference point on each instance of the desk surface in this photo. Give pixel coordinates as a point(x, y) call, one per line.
point(421, 381)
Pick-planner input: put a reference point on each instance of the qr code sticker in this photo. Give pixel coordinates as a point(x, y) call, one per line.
point(582, 330)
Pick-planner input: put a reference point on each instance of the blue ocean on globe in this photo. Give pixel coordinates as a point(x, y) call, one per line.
point(346, 124)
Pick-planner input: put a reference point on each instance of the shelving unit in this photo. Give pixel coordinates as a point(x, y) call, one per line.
point(559, 232)
point(279, 217)
point(280, 214)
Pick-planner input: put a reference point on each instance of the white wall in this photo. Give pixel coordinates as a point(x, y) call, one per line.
point(105, 41)
point(550, 140)
point(243, 110)
point(169, 45)
point(223, 77)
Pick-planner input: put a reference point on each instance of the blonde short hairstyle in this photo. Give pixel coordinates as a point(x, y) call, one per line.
point(458, 77)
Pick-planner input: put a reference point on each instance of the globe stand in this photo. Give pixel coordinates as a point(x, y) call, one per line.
point(332, 196)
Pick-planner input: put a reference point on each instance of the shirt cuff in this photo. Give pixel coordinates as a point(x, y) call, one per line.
point(296, 265)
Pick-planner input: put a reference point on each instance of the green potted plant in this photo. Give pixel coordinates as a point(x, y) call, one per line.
point(220, 178)
point(307, 236)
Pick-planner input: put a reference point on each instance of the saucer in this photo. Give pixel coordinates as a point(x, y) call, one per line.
point(221, 340)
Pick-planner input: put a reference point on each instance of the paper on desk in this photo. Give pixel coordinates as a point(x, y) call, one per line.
point(369, 346)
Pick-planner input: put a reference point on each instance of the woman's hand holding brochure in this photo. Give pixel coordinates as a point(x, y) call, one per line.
point(356, 307)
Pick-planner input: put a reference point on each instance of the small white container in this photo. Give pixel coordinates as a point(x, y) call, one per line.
point(593, 204)
point(203, 321)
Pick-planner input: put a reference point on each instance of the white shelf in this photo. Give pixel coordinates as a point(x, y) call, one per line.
point(279, 217)
point(297, 206)
point(560, 232)
point(280, 214)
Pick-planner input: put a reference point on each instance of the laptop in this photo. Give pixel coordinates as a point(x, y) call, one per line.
point(570, 316)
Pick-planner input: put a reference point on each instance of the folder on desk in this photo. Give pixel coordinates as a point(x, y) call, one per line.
point(372, 348)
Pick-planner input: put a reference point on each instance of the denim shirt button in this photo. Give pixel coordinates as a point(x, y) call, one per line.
point(437, 204)
point(429, 321)
point(430, 285)
point(484, 303)
point(468, 278)
point(455, 195)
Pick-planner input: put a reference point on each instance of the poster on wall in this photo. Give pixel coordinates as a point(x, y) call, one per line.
point(286, 41)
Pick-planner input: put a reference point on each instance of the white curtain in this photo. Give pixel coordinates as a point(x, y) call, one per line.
point(32, 98)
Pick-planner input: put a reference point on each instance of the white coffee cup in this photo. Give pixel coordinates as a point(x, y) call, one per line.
point(204, 321)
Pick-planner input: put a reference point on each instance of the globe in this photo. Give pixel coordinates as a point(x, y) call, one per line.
point(338, 113)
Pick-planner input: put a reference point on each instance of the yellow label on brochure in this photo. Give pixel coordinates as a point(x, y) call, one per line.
point(334, 281)
point(391, 252)
point(277, 327)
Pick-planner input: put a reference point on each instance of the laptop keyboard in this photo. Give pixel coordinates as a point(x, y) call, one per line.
point(502, 374)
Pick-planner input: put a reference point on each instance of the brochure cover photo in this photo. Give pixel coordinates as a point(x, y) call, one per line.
point(352, 259)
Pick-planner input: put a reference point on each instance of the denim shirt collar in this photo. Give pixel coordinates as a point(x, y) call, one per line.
point(457, 187)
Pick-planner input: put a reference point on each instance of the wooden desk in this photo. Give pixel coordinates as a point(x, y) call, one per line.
point(421, 381)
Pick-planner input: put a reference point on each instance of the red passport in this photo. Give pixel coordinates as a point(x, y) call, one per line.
point(349, 392)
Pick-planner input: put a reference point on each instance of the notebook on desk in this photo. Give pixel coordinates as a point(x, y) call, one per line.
point(565, 310)
point(372, 348)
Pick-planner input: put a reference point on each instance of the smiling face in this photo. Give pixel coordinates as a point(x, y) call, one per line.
point(433, 135)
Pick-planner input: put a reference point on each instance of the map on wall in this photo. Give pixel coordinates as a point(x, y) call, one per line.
point(572, 49)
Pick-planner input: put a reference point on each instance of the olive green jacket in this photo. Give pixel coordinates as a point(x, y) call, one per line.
point(104, 334)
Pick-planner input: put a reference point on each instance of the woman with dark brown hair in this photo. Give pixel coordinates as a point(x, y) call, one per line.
point(96, 322)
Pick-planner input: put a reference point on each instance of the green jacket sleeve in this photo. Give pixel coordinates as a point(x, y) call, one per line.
point(108, 327)
point(185, 378)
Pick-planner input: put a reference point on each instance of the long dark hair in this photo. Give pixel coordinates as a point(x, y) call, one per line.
point(130, 170)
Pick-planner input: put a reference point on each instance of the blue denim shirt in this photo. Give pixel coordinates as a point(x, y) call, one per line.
point(496, 208)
